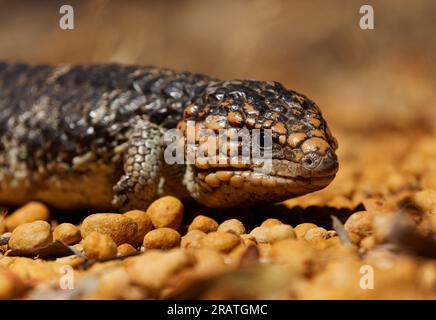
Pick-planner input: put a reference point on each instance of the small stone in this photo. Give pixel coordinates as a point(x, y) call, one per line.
point(30, 212)
point(232, 225)
point(260, 234)
point(359, 225)
point(280, 232)
point(67, 233)
point(120, 228)
point(302, 228)
point(368, 242)
point(125, 249)
point(166, 212)
point(31, 236)
point(223, 242)
point(143, 222)
point(113, 283)
point(204, 224)
point(153, 269)
point(11, 286)
point(248, 239)
point(298, 255)
point(99, 246)
point(273, 233)
point(426, 200)
point(162, 238)
point(315, 234)
point(192, 239)
point(271, 222)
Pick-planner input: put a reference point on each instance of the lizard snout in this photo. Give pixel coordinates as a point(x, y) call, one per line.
point(321, 165)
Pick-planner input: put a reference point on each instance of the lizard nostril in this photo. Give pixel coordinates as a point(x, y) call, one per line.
point(308, 161)
point(325, 165)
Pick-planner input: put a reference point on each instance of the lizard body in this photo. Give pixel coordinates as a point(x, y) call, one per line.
point(91, 136)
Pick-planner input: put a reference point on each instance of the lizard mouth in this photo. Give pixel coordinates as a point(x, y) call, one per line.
point(237, 184)
point(236, 178)
point(312, 171)
point(233, 187)
point(282, 174)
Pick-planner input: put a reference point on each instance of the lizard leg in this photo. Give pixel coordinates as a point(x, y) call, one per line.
point(142, 167)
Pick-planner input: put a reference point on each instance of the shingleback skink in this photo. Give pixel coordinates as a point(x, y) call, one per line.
point(91, 137)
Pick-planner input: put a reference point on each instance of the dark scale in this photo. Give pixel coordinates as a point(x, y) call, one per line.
point(87, 106)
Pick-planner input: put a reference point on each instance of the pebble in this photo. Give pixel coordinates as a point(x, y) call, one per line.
point(166, 212)
point(359, 225)
point(232, 225)
point(67, 233)
point(119, 227)
point(162, 238)
point(154, 268)
point(270, 222)
point(30, 212)
point(99, 246)
point(125, 249)
point(192, 239)
point(204, 224)
point(223, 242)
point(143, 221)
point(302, 228)
point(273, 233)
point(316, 233)
point(31, 236)
point(11, 285)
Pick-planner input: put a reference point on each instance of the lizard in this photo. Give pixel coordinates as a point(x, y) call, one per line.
point(92, 137)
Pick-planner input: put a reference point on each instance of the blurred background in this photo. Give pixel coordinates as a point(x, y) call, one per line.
point(359, 78)
point(376, 88)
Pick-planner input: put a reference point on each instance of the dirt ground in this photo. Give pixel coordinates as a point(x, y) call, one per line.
point(375, 89)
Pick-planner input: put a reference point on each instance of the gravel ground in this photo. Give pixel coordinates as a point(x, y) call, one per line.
point(376, 90)
point(385, 203)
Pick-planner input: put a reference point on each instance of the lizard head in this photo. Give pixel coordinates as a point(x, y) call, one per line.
point(287, 128)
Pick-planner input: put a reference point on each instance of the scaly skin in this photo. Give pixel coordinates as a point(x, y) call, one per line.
point(92, 137)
